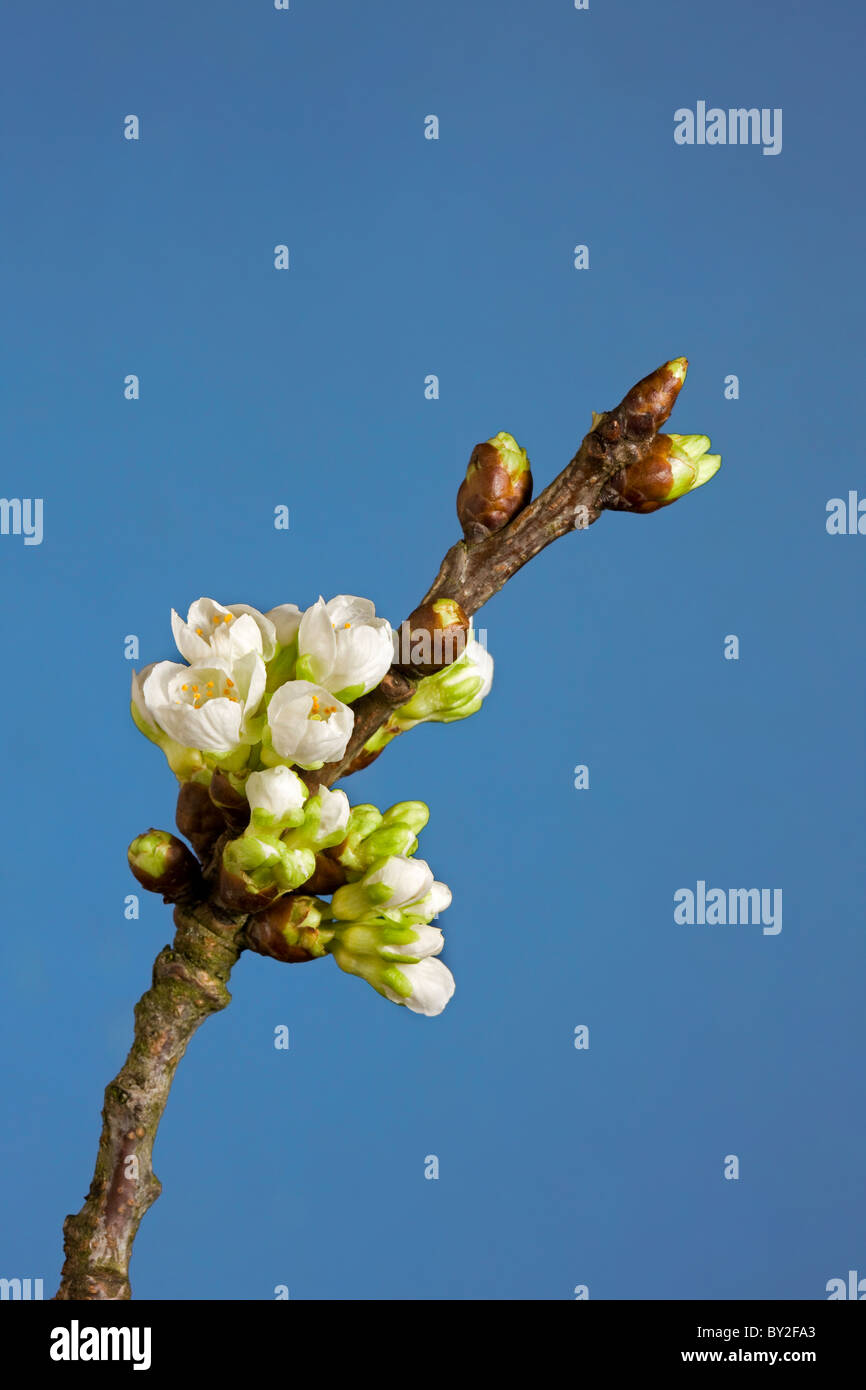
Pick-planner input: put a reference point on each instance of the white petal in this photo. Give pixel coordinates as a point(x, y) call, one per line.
point(275, 789)
point(347, 608)
point(481, 659)
point(364, 652)
point(436, 901)
point(214, 728)
point(286, 618)
point(335, 811)
point(295, 735)
point(187, 640)
point(409, 880)
point(316, 640)
point(268, 643)
point(249, 675)
point(235, 639)
point(432, 986)
point(137, 694)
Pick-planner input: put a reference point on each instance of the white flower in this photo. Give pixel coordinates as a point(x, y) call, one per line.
point(286, 619)
point(431, 984)
point(343, 646)
point(335, 812)
point(308, 724)
point(205, 706)
point(214, 630)
point(276, 791)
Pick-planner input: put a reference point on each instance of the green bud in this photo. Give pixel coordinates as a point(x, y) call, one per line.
point(388, 839)
point(363, 820)
point(163, 864)
point(415, 814)
point(267, 863)
point(450, 694)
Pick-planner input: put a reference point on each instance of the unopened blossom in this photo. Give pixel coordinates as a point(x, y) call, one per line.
point(393, 883)
point(673, 465)
point(424, 987)
point(325, 817)
point(308, 725)
point(343, 646)
point(276, 796)
point(453, 693)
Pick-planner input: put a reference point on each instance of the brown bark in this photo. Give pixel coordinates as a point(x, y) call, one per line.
point(189, 984)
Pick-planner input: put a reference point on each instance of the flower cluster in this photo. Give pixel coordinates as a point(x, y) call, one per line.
point(378, 922)
point(283, 680)
point(262, 698)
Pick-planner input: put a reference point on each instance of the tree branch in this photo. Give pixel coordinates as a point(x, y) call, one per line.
point(189, 984)
point(190, 978)
point(472, 572)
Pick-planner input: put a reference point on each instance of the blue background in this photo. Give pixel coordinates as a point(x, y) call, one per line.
point(558, 1167)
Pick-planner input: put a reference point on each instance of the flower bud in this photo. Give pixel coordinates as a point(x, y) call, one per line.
point(163, 864)
point(255, 869)
point(648, 404)
point(674, 465)
point(424, 986)
point(276, 799)
point(291, 930)
point(390, 884)
point(324, 821)
point(451, 694)
point(432, 637)
point(498, 484)
point(363, 820)
point(415, 814)
point(391, 941)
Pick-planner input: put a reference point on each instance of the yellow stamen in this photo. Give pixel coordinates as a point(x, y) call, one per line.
point(199, 631)
point(229, 682)
point(184, 687)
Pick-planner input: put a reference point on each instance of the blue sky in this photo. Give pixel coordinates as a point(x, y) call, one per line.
point(305, 388)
